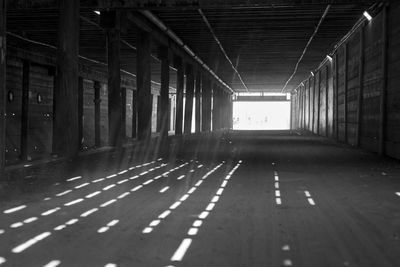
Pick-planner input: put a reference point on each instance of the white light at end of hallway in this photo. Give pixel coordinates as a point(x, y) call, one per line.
point(367, 15)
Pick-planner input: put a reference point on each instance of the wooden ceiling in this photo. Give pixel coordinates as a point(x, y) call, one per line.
point(263, 41)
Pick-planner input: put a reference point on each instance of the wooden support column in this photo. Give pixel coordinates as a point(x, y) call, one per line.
point(313, 103)
point(383, 98)
point(134, 113)
point(309, 105)
point(25, 109)
point(360, 87)
point(144, 97)
point(336, 90)
point(2, 87)
point(179, 95)
point(164, 91)
point(215, 108)
point(206, 105)
point(198, 103)
point(346, 65)
point(189, 99)
point(319, 100)
point(80, 112)
point(123, 115)
point(97, 101)
point(326, 100)
point(114, 87)
point(66, 139)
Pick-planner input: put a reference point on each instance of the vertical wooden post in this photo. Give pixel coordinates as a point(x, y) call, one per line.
point(114, 86)
point(346, 65)
point(80, 111)
point(360, 88)
point(3, 54)
point(309, 104)
point(97, 101)
point(179, 95)
point(189, 99)
point(164, 91)
point(198, 103)
point(319, 101)
point(215, 108)
point(313, 103)
point(25, 109)
point(326, 100)
point(134, 113)
point(206, 105)
point(66, 139)
point(383, 98)
point(336, 96)
point(144, 97)
point(123, 115)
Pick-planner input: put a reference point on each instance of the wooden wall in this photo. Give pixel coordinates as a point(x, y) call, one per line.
point(351, 108)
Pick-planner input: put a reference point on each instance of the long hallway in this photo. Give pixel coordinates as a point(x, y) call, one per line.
point(269, 199)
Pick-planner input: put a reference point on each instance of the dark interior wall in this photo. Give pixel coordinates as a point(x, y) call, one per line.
point(40, 115)
point(393, 92)
point(344, 107)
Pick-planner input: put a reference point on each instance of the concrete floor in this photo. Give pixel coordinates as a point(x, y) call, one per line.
point(262, 200)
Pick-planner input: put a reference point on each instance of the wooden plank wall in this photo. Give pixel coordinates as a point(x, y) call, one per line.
point(347, 83)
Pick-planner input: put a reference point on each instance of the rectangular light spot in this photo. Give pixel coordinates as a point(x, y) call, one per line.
point(14, 209)
point(184, 197)
point(93, 194)
point(112, 223)
point(63, 193)
point(122, 172)
point(215, 199)
point(311, 201)
point(72, 221)
point(16, 225)
point(210, 207)
point(143, 173)
point(30, 242)
point(74, 178)
point(111, 176)
point(50, 211)
point(103, 229)
point(198, 167)
point(105, 204)
point(278, 201)
point(148, 182)
point(60, 227)
point(154, 223)
point(164, 214)
point(203, 215)
point(175, 205)
point(29, 220)
point(181, 251)
point(307, 194)
point(87, 213)
point(287, 262)
point(219, 192)
point(277, 185)
point(108, 187)
point(147, 230)
point(123, 181)
point(98, 180)
point(277, 193)
point(197, 223)
point(74, 202)
point(192, 190)
point(199, 183)
point(81, 185)
point(276, 178)
point(180, 177)
point(53, 263)
point(134, 177)
point(193, 231)
point(136, 188)
point(224, 183)
point(123, 195)
point(398, 193)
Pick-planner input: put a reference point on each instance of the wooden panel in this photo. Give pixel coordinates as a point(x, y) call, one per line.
point(88, 114)
point(341, 94)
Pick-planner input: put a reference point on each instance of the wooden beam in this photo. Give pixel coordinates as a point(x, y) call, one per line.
point(25, 109)
point(123, 111)
point(114, 87)
point(326, 100)
point(313, 103)
point(179, 95)
point(346, 66)
point(215, 108)
point(134, 113)
point(189, 99)
point(144, 101)
point(309, 104)
point(97, 114)
point(3, 54)
point(383, 98)
point(80, 112)
point(198, 103)
point(66, 139)
point(319, 101)
point(336, 90)
point(164, 91)
point(206, 105)
point(360, 87)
